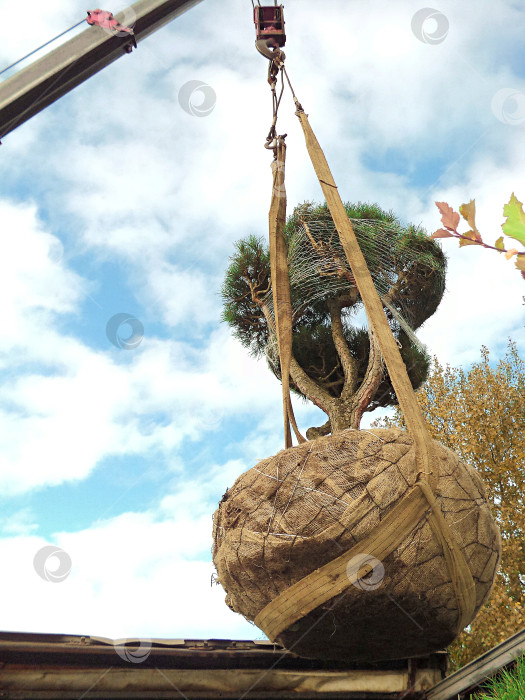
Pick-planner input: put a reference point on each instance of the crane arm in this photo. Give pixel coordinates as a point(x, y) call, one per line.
point(32, 89)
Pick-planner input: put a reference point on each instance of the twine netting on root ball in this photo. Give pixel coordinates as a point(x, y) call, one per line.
point(325, 501)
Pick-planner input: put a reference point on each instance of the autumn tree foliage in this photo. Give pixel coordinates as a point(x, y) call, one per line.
point(480, 414)
point(336, 363)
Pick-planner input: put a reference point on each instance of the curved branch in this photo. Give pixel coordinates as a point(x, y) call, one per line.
point(371, 381)
point(348, 363)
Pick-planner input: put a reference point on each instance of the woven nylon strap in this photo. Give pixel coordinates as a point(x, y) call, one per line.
point(372, 303)
point(333, 578)
point(323, 584)
point(281, 286)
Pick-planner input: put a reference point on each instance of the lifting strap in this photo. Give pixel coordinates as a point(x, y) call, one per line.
point(333, 578)
point(278, 252)
point(457, 566)
point(373, 306)
point(319, 586)
point(281, 285)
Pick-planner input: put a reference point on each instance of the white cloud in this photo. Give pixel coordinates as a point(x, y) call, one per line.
point(72, 406)
point(22, 522)
point(127, 178)
point(175, 291)
point(34, 284)
point(152, 568)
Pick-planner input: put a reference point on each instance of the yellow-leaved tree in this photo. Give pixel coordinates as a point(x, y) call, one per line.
point(480, 415)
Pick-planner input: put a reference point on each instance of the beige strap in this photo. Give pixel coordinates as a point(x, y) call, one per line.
point(331, 579)
point(464, 586)
point(374, 308)
point(457, 566)
point(281, 286)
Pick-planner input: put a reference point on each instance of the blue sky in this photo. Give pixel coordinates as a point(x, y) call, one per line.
point(116, 200)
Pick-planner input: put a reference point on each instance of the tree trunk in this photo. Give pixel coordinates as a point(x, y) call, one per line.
point(347, 410)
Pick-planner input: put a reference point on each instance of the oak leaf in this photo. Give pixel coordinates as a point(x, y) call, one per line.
point(449, 217)
point(468, 212)
point(514, 227)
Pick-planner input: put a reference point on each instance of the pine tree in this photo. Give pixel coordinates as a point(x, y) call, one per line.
point(336, 363)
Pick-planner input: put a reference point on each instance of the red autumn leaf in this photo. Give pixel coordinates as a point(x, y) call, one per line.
point(449, 217)
point(441, 233)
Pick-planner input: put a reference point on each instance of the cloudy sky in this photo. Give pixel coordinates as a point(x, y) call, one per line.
point(126, 196)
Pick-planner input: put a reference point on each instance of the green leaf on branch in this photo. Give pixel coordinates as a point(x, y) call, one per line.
point(468, 212)
point(499, 244)
point(441, 233)
point(449, 217)
point(514, 227)
point(469, 238)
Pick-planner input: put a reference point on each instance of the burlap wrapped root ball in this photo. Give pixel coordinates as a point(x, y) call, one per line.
point(290, 515)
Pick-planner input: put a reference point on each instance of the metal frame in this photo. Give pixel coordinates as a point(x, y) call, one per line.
point(33, 88)
point(265, 42)
point(470, 677)
point(67, 667)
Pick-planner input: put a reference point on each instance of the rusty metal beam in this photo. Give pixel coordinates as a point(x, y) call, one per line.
point(67, 667)
point(32, 89)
